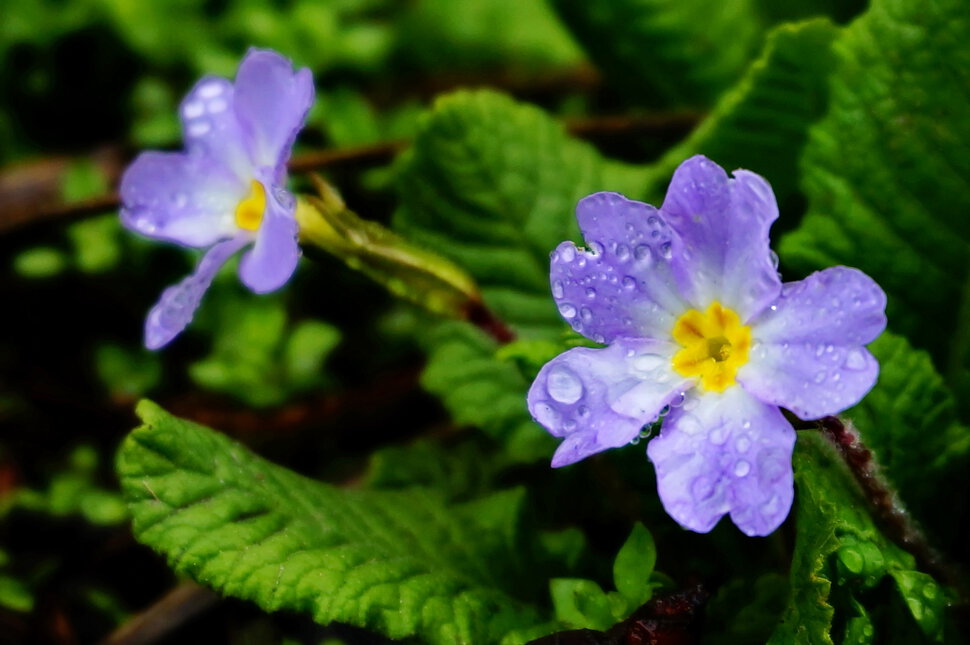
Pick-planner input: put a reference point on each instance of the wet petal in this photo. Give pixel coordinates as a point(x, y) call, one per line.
point(729, 454)
point(271, 102)
point(273, 258)
point(186, 198)
point(724, 224)
point(210, 126)
point(601, 398)
point(623, 286)
point(178, 303)
point(808, 354)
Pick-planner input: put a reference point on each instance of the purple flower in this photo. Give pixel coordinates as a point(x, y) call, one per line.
point(227, 190)
point(697, 322)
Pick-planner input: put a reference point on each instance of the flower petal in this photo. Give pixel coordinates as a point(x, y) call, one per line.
point(624, 285)
point(808, 354)
point(728, 454)
point(186, 198)
point(273, 258)
point(271, 102)
point(601, 398)
point(178, 303)
point(724, 224)
point(211, 128)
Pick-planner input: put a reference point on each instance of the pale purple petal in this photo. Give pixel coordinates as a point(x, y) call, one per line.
point(210, 126)
point(178, 303)
point(271, 102)
point(729, 453)
point(601, 398)
point(723, 224)
point(273, 258)
point(623, 285)
point(180, 197)
point(808, 353)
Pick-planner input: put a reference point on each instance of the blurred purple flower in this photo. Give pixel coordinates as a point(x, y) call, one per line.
point(227, 189)
point(699, 326)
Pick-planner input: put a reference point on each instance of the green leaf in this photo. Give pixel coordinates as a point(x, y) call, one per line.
point(909, 421)
point(634, 565)
point(887, 173)
point(838, 545)
point(762, 122)
point(581, 603)
point(401, 563)
point(492, 184)
point(671, 51)
point(481, 390)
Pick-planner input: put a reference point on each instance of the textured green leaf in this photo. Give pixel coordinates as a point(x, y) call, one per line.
point(909, 420)
point(887, 172)
point(479, 389)
point(838, 546)
point(493, 184)
point(634, 565)
point(682, 51)
point(762, 122)
point(401, 563)
point(581, 603)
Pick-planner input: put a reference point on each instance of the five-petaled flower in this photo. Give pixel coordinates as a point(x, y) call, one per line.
point(698, 323)
point(227, 189)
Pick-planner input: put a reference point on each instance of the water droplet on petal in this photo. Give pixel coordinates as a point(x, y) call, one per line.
point(622, 252)
point(586, 314)
point(547, 416)
point(855, 360)
point(742, 444)
point(596, 248)
point(567, 254)
point(558, 289)
point(567, 310)
point(642, 252)
point(635, 440)
point(664, 411)
point(591, 293)
point(820, 376)
point(648, 362)
point(774, 259)
point(741, 468)
point(629, 282)
point(678, 400)
point(666, 250)
point(718, 435)
point(563, 385)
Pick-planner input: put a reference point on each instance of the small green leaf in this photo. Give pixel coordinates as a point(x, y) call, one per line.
point(492, 184)
point(581, 603)
point(402, 563)
point(634, 565)
point(832, 521)
point(679, 51)
point(15, 595)
point(40, 262)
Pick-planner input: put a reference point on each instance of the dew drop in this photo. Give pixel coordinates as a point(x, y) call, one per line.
point(642, 252)
point(678, 400)
point(567, 254)
point(648, 362)
point(819, 351)
point(629, 282)
point(622, 252)
point(586, 314)
point(851, 559)
point(771, 506)
point(563, 385)
point(664, 411)
point(742, 444)
point(718, 435)
point(774, 259)
point(596, 248)
point(820, 376)
point(635, 440)
point(569, 425)
point(558, 289)
point(666, 251)
point(599, 338)
point(193, 110)
point(591, 293)
point(855, 360)
point(582, 411)
point(741, 468)
point(567, 310)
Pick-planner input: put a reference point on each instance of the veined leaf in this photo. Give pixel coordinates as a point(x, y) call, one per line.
point(887, 173)
point(401, 563)
point(681, 51)
point(762, 122)
point(492, 184)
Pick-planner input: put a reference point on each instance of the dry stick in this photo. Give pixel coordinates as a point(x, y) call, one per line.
point(888, 510)
point(170, 612)
point(44, 203)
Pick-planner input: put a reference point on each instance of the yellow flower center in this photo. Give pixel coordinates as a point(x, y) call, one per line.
point(249, 212)
point(715, 346)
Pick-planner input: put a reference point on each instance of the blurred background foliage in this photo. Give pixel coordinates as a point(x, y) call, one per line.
point(335, 379)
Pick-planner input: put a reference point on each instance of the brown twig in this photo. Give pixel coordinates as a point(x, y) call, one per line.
point(167, 614)
point(888, 509)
